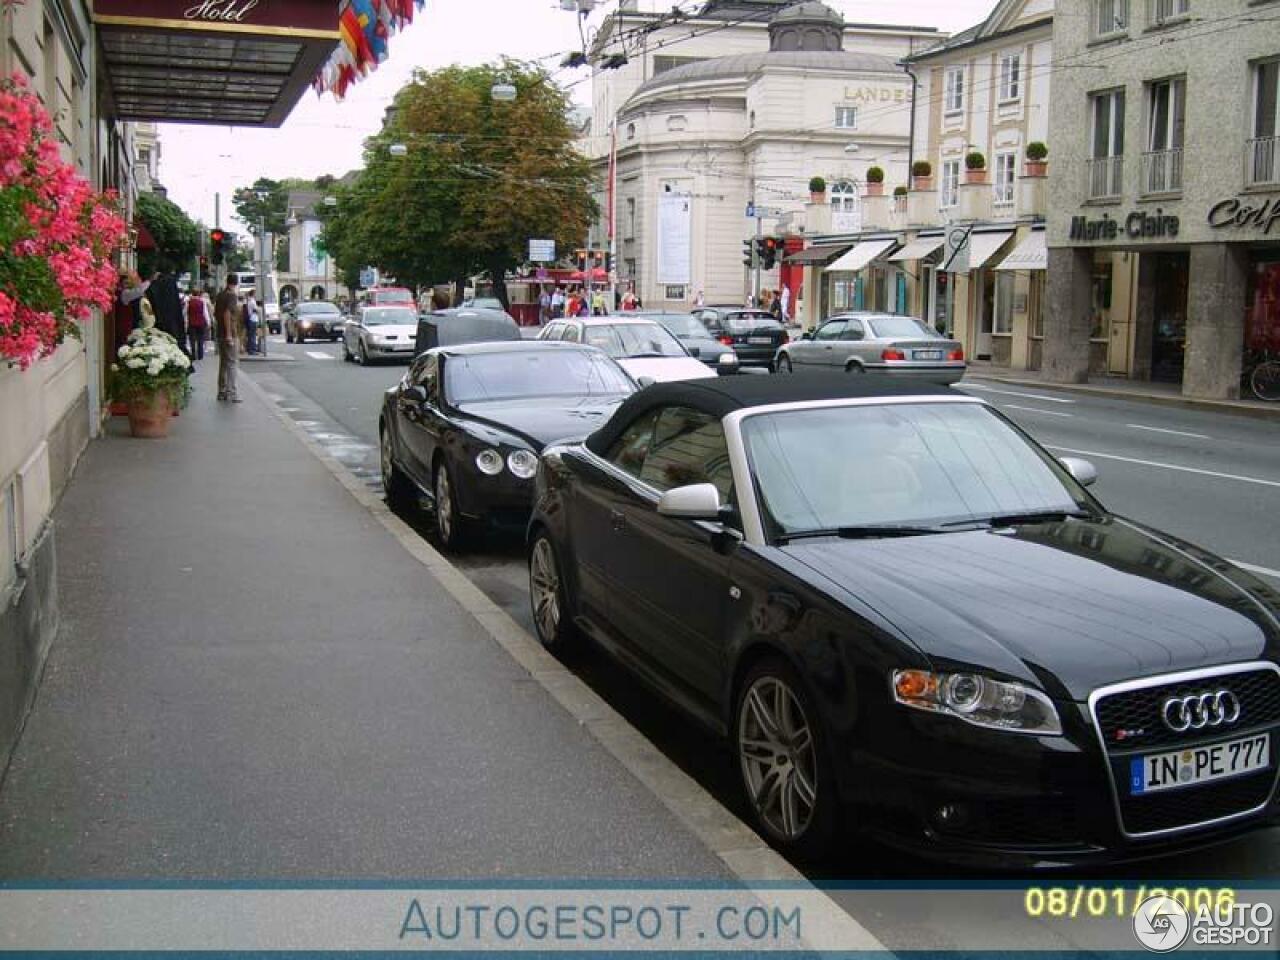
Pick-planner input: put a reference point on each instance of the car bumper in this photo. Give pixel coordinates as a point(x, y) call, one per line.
point(316, 332)
point(503, 501)
point(387, 351)
point(752, 355)
point(942, 373)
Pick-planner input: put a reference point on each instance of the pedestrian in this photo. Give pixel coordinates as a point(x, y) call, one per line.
point(167, 304)
point(132, 292)
point(557, 302)
point(584, 306)
point(698, 301)
point(544, 307)
point(251, 323)
point(785, 297)
point(629, 301)
point(571, 302)
point(775, 305)
point(197, 324)
point(598, 307)
point(226, 314)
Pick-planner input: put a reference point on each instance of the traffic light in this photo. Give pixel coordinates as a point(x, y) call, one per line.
point(216, 240)
point(760, 251)
point(772, 252)
point(748, 252)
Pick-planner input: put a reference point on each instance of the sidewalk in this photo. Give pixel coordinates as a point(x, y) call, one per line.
point(253, 680)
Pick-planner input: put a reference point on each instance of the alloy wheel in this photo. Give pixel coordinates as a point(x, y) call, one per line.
point(444, 505)
point(388, 469)
point(784, 364)
point(778, 756)
point(544, 590)
point(364, 354)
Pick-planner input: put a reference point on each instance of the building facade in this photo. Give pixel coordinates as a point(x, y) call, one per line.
point(741, 105)
point(1166, 160)
point(311, 274)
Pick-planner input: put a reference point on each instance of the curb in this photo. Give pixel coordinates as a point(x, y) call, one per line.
point(732, 841)
point(1256, 411)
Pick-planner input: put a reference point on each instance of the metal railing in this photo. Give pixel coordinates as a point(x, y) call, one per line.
point(1262, 162)
point(1106, 177)
point(1162, 11)
point(1002, 200)
point(1162, 171)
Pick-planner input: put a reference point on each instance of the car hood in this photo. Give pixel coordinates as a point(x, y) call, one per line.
point(401, 331)
point(539, 421)
point(665, 368)
point(706, 349)
point(326, 318)
point(1070, 605)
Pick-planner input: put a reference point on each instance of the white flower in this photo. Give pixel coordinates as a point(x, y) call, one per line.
point(115, 368)
point(135, 363)
point(154, 368)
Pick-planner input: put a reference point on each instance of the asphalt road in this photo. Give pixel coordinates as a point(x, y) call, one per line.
point(1211, 478)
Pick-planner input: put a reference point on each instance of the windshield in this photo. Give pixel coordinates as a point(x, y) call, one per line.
point(529, 373)
point(391, 296)
point(486, 303)
point(634, 340)
point(741, 322)
point(384, 316)
point(684, 325)
point(900, 327)
point(907, 463)
point(317, 308)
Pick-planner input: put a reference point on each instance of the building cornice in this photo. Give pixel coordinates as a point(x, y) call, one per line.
point(938, 53)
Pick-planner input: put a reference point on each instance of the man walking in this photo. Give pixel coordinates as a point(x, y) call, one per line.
point(226, 312)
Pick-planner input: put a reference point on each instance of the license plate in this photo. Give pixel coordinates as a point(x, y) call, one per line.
point(1193, 765)
point(927, 354)
point(765, 341)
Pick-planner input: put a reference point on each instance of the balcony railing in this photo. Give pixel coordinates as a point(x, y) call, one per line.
point(1002, 201)
point(1162, 171)
point(1106, 177)
point(1262, 162)
point(1163, 11)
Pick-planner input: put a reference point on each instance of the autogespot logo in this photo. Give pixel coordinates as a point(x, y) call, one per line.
point(1201, 710)
point(1161, 924)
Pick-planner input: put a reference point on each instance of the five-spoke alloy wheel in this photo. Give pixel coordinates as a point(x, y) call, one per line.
point(546, 596)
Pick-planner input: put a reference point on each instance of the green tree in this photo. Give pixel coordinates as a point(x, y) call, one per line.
point(175, 234)
point(266, 199)
point(478, 178)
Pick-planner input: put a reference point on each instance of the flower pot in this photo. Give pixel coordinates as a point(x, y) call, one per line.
point(1037, 168)
point(149, 414)
point(922, 183)
point(875, 189)
point(817, 197)
point(975, 176)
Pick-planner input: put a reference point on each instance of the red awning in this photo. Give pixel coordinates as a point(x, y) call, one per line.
point(145, 240)
point(597, 273)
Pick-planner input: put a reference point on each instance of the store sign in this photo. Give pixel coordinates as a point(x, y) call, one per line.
point(876, 94)
point(1138, 225)
point(287, 17)
point(1243, 214)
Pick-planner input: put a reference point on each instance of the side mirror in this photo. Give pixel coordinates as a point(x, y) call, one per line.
point(646, 381)
point(806, 335)
point(417, 393)
point(1084, 472)
point(726, 364)
point(696, 501)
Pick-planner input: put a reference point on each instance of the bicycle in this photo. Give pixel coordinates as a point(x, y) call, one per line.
point(1262, 374)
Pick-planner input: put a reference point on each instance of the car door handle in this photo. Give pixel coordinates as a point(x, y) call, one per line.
point(617, 521)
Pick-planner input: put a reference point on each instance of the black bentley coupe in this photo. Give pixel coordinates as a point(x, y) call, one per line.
point(908, 618)
point(465, 424)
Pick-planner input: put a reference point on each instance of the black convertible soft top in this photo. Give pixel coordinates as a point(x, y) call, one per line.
point(719, 396)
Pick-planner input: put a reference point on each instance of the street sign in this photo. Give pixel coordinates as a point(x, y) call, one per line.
point(956, 259)
point(542, 251)
point(756, 212)
point(367, 277)
point(751, 209)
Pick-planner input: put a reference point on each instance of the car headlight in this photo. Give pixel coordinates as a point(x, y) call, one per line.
point(489, 462)
point(306, 323)
point(981, 701)
point(522, 463)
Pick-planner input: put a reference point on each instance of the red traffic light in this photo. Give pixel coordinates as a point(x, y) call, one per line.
point(216, 236)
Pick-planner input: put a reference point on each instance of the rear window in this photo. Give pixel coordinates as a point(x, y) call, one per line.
point(900, 327)
point(744, 321)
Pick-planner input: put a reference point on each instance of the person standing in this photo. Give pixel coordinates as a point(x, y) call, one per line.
point(544, 308)
point(785, 298)
point(197, 324)
point(699, 300)
point(557, 303)
point(226, 314)
point(167, 304)
point(251, 323)
point(775, 306)
point(629, 301)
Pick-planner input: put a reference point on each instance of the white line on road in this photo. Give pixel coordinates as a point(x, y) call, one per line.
point(1176, 433)
point(317, 355)
point(1254, 568)
point(1014, 393)
point(1047, 413)
point(1168, 466)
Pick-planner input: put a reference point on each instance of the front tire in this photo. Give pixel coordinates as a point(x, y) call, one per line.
point(394, 483)
point(547, 597)
point(450, 524)
point(346, 354)
point(784, 364)
point(780, 747)
point(362, 354)
point(1265, 380)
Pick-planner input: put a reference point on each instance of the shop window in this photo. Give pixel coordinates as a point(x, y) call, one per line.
point(1262, 321)
point(1110, 18)
point(846, 118)
point(1100, 305)
point(1263, 149)
point(1004, 301)
point(675, 292)
point(1010, 76)
point(949, 195)
point(953, 101)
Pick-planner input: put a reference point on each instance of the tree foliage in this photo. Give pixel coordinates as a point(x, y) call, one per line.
point(175, 234)
point(266, 199)
point(478, 178)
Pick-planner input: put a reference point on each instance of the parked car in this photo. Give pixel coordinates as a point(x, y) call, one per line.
point(458, 325)
point(880, 343)
point(643, 348)
point(754, 335)
point(908, 617)
point(465, 424)
point(484, 303)
point(693, 336)
point(380, 333)
point(313, 320)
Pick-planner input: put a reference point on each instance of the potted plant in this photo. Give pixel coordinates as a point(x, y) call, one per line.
point(150, 376)
point(900, 191)
point(1037, 165)
point(922, 175)
point(875, 181)
point(817, 190)
point(975, 167)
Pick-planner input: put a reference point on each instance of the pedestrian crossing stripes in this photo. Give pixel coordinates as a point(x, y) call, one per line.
point(317, 355)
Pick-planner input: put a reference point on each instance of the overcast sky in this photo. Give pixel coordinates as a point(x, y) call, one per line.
point(324, 136)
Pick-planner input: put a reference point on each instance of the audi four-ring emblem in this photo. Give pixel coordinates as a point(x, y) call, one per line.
point(1201, 710)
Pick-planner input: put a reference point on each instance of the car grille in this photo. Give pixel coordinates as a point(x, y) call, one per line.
point(1139, 713)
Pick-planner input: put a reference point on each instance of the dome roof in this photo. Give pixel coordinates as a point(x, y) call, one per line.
point(745, 64)
point(811, 11)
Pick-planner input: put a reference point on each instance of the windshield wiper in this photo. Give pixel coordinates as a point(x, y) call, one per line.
point(867, 532)
point(641, 356)
point(1027, 516)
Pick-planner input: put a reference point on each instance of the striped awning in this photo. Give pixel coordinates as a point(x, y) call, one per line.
point(862, 254)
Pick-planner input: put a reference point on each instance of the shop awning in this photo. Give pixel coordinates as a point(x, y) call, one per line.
point(919, 248)
point(196, 63)
point(1030, 254)
point(983, 246)
point(820, 255)
point(862, 254)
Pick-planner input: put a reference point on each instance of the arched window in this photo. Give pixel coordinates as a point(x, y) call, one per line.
point(844, 197)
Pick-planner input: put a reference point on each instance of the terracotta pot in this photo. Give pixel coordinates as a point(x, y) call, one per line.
point(149, 414)
point(975, 176)
point(1037, 168)
point(817, 197)
point(874, 189)
point(922, 183)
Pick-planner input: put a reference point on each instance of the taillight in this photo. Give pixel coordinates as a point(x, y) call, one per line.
point(892, 354)
point(956, 354)
point(726, 340)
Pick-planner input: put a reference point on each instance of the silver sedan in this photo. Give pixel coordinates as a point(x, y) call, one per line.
point(876, 343)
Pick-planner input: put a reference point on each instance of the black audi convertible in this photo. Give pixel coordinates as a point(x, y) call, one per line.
point(465, 424)
point(910, 619)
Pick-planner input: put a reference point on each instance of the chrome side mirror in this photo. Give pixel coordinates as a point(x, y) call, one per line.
point(1084, 472)
point(696, 501)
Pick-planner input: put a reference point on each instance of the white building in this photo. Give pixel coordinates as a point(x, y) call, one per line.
point(311, 274)
point(743, 103)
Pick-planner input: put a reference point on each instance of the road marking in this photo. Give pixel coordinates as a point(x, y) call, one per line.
point(1014, 393)
point(1169, 466)
point(1254, 568)
point(1176, 433)
point(317, 355)
point(1047, 413)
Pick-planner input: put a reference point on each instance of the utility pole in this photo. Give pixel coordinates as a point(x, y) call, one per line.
point(755, 261)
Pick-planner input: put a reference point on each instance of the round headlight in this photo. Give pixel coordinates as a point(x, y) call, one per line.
point(963, 692)
point(523, 464)
point(490, 462)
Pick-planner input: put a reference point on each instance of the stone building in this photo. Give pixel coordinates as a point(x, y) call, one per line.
point(1165, 160)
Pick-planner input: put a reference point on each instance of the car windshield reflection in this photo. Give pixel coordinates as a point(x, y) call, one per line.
point(509, 376)
point(386, 316)
point(901, 327)
point(622, 340)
